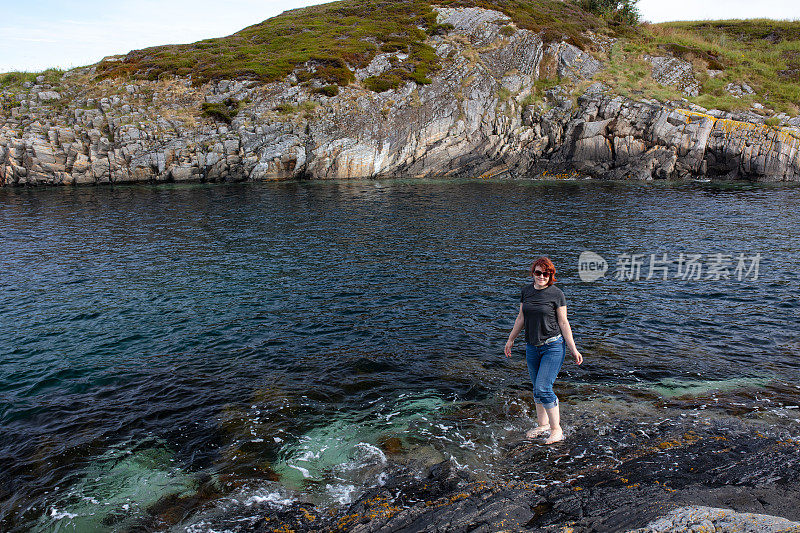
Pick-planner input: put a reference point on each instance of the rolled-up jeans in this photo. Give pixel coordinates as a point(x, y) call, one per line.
point(544, 362)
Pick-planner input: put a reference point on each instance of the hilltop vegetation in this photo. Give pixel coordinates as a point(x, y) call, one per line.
point(340, 35)
point(763, 54)
point(324, 44)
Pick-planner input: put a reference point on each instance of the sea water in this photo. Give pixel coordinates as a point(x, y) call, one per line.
point(170, 355)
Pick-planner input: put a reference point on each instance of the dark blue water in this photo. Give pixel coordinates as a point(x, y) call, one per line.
point(152, 338)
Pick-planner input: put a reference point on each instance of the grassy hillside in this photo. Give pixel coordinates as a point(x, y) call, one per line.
point(349, 32)
point(330, 40)
point(765, 54)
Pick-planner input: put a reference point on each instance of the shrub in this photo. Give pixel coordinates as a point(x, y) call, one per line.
point(418, 76)
point(328, 90)
point(330, 70)
point(616, 11)
point(345, 34)
point(393, 46)
point(383, 82)
point(440, 29)
point(218, 112)
point(508, 30)
point(285, 109)
point(223, 111)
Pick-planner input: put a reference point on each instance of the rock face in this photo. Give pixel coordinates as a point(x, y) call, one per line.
point(698, 518)
point(473, 120)
point(671, 71)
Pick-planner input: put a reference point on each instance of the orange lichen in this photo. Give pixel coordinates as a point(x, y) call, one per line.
point(729, 126)
point(379, 509)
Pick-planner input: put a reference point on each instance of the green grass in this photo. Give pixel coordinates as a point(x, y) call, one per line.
point(52, 76)
point(556, 20)
point(285, 109)
point(338, 37)
point(328, 90)
point(765, 54)
point(324, 44)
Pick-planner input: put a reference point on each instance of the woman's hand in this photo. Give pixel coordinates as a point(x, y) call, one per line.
point(509, 345)
point(578, 357)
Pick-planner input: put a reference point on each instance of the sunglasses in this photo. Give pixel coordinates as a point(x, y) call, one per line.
point(540, 273)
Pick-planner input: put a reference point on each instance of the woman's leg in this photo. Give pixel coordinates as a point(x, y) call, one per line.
point(533, 358)
point(552, 357)
point(556, 433)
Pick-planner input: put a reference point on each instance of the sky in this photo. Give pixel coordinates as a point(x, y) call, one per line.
point(40, 34)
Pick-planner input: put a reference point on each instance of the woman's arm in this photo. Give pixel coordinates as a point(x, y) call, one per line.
point(518, 324)
point(566, 331)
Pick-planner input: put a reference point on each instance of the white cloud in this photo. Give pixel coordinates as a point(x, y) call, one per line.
point(660, 11)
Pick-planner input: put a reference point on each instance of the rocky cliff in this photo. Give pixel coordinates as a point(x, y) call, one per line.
point(484, 114)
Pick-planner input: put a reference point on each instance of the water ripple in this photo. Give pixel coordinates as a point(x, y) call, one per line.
point(214, 325)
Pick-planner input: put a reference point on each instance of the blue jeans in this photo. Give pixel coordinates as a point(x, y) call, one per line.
point(544, 362)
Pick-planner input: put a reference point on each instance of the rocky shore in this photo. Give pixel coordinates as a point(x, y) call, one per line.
point(483, 115)
point(678, 473)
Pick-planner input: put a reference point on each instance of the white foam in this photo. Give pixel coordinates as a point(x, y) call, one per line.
point(271, 498)
point(372, 451)
point(302, 470)
point(204, 527)
point(55, 514)
point(342, 493)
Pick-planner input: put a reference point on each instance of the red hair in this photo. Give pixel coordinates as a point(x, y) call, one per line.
point(546, 266)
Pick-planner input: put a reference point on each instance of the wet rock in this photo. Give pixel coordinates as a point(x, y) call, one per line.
point(670, 474)
point(391, 445)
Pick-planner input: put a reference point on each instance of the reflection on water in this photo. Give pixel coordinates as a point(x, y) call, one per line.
point(253, 344)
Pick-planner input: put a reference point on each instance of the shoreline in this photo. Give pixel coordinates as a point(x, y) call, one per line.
point(83, 129)
point(656, 469)
point(404, 180)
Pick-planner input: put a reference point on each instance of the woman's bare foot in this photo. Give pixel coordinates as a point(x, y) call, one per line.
point(555, 436)
point(537, 431)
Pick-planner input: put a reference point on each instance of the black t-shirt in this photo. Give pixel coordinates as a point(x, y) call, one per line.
point(539, 309)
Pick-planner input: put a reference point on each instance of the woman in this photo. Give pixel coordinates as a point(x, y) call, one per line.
point(543, 312)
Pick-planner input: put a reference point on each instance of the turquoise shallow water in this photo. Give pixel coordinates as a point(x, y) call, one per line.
point(277, 337)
